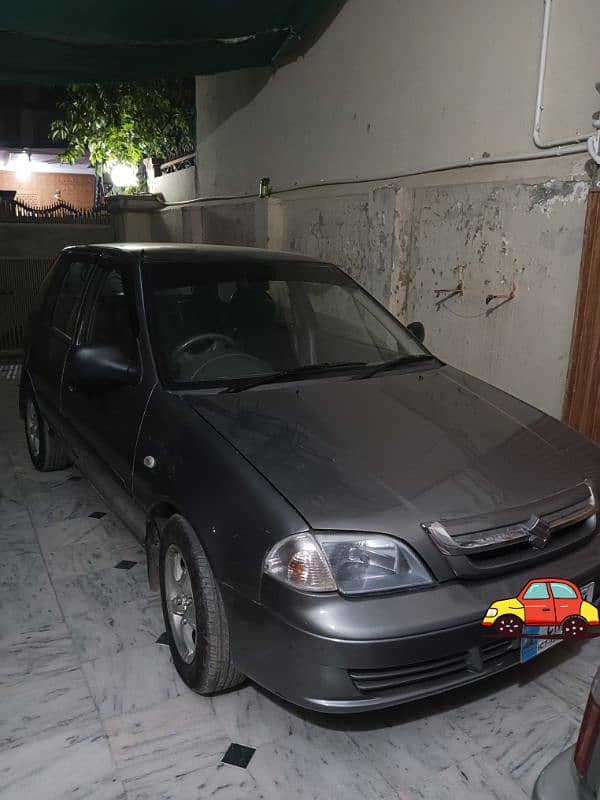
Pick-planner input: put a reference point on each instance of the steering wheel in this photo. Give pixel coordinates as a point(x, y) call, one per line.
point(246, 359)
point(200, 337)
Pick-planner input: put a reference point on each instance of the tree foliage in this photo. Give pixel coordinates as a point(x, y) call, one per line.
point(126, 122)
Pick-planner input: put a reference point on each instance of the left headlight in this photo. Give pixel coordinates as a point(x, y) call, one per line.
point(351, 563)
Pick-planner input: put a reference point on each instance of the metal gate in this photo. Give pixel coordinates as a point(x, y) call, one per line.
point(20, 280)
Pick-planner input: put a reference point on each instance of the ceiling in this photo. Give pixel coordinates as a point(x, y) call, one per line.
point(68, 42)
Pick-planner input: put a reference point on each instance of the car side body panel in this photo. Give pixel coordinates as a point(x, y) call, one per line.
point(235, 512)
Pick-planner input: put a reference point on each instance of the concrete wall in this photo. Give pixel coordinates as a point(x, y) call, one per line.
point(403, 241)
point(404, 86)
point(33, 240)
point(398, 85)
point(526, 235)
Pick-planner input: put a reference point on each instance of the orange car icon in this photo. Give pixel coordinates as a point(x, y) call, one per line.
point(544, 601)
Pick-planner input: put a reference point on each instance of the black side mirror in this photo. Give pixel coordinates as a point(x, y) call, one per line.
point(103, 364)
point(418, 330)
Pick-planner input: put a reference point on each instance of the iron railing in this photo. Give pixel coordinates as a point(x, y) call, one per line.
point(178, 163)
point(61, 213)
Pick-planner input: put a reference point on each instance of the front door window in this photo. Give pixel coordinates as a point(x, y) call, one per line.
point(110, 322)
point(539, 607)
point(70, 294)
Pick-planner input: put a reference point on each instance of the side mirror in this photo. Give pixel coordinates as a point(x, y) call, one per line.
point(103, 364)
point(418, 330)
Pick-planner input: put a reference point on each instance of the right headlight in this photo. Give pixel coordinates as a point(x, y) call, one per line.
point(351, 563)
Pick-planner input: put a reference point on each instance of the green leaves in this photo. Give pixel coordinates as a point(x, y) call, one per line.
point(126, 122)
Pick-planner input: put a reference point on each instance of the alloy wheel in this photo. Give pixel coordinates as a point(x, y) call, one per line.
point(33, 427)
point(180, 603)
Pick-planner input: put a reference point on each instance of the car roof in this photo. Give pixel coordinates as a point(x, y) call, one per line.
point(548, 580)
point(154, 251)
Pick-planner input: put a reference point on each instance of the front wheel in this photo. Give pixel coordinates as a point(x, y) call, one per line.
point(574, 627)
point(197, 627)
point(46, 451)
point(508, 625)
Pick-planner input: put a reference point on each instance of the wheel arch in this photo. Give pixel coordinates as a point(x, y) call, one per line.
point(156, 519)
point(25, 385)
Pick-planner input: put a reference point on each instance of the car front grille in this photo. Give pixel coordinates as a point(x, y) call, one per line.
point(452, 669)
point(498, 542)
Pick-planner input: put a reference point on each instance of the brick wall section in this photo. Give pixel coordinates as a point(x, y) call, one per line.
point(46, 188)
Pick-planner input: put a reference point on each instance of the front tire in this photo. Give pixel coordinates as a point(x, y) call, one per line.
point(508, 625)
point(195, 619)
point(45, 450)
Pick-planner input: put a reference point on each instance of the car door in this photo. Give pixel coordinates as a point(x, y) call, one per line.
point(566, 601)
point(105, 416)
point(539, 606)
point(54, 330)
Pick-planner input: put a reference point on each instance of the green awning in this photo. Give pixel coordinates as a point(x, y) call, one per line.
point(75, 42)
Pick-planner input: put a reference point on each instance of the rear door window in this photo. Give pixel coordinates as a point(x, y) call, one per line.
point(70, 295)
point(563, 591)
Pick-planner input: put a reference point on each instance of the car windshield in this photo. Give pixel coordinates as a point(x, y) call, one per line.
point(215, 323)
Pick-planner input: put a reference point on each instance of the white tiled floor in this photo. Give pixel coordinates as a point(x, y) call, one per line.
point(91, 706)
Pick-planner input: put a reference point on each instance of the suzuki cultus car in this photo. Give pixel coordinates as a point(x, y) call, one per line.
point(327, 508)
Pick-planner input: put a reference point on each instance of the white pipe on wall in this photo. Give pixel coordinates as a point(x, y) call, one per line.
point(539, 101)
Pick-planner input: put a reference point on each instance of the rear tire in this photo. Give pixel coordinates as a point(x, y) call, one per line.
point(46, 451)
point(574, 627)
point(508, 625)
point(195, 619)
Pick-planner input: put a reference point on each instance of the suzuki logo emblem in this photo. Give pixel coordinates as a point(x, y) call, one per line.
point(539, 532)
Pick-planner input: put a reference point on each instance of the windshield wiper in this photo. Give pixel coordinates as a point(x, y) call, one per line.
point(395, 362)
point(296, 372)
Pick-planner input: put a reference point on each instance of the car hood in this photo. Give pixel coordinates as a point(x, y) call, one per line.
point(387, 453)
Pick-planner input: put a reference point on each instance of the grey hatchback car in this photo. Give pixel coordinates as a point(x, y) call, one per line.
point(327, 508)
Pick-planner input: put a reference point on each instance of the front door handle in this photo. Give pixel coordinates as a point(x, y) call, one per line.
point(545, 609)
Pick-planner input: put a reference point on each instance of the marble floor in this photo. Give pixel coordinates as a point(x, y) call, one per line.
point(91, 706)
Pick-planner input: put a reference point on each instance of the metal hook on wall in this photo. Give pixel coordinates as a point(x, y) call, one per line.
point(505, 298)
point(459, 289)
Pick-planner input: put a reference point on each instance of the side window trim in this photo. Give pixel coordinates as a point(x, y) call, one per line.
point(66, 264)
point(104, 265)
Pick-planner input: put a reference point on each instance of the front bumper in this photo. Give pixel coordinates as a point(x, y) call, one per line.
point(338, 655)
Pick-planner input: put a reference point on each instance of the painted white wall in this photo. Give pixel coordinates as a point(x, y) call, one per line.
point(175, 186)
point(397, 84)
